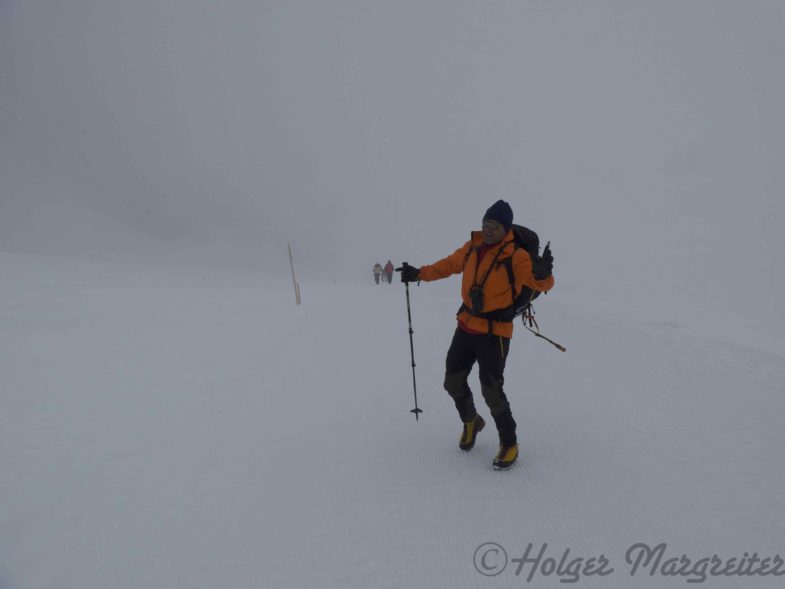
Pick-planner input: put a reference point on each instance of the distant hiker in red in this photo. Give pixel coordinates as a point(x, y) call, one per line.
point(388, 270)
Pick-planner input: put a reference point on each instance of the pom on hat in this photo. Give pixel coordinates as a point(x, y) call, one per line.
point(502, 212)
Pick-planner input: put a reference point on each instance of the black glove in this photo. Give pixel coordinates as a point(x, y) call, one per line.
point(542, 267)
point(409, 273)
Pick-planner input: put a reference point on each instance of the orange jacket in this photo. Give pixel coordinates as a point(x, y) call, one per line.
point(496, 290)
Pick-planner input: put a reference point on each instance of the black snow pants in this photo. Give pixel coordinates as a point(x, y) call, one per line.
point(490, 353)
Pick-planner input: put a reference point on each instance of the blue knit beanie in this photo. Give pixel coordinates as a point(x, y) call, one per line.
point(500, 211)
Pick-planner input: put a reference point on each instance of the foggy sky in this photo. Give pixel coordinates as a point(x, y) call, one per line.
point(644, 139)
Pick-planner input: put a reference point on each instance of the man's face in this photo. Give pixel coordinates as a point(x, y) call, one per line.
point(492, 231)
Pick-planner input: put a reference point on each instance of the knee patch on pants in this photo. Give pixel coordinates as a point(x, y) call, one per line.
point(493, 393)
point(456, 384)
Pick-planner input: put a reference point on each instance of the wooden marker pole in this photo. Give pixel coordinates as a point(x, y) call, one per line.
point(294, 280)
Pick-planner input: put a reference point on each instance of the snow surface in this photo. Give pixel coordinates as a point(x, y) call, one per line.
point(174, 427)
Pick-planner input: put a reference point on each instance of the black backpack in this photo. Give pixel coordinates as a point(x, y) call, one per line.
point(527, 239)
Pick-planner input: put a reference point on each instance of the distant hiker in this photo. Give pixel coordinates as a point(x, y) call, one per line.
point(388, 270)
point(377, 271)
point(485, 320)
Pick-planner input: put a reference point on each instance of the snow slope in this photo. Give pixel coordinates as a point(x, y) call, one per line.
point(182, 428)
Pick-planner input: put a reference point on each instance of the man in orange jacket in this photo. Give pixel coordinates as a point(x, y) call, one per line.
point(485, 321)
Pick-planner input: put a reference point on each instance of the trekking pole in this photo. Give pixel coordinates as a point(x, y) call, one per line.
point(529, 316)
point(416, 409)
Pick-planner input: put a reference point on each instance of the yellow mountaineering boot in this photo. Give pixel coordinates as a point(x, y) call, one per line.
point(506, 457)
point(470, 431)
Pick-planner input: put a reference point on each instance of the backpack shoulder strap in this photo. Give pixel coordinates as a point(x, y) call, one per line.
point(510, 275)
